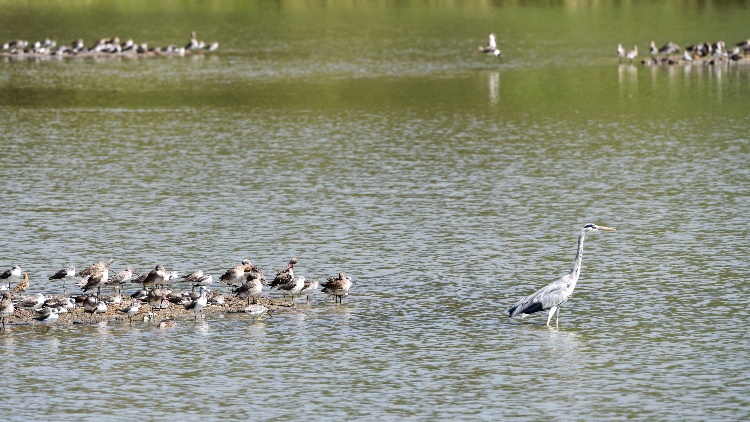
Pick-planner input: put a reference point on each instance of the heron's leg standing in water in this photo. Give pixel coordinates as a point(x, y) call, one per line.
point(557, 318)
point(551, 312)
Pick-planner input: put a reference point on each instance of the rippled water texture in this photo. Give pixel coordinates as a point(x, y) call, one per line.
point(375, 140)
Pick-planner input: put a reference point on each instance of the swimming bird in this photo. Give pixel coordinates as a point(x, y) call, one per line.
point(22, 285)
point(198, 304)
point(551, 297)
point(131, 310)
point(256, 311)
point(491, 47)
point(47, 317)
point(11, 275)
point(338, 287)
point(64, 274)
point(309, 288)
point(620, 53)
point(632, 54)
point(6, 307)
point(166, 323)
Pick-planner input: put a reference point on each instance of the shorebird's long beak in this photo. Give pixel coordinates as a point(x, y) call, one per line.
point(606, 229)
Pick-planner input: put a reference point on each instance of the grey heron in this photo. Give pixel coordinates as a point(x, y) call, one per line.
point(552, 296)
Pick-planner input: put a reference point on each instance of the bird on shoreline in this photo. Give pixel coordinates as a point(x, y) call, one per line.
point(338, 287)
point(11, 275)
point(120, 278)
point(47, 317)
point(22, 285)
point(198, 304)
point(97, 274)
point(63, 274)
point(6, 307)
point(236, 275)
point(155, 277)
point(130, 311)
point(554, 295)
point(252, 287)
point(620, 53)
point(309, 288)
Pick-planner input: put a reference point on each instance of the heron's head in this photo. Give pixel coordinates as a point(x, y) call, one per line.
point(593, 228)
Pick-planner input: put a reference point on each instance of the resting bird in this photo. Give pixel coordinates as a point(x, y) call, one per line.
point(551, 297)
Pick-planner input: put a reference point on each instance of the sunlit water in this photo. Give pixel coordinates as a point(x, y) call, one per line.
point(448, 186)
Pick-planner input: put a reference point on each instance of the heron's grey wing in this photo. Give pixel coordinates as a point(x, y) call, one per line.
point(545, 298)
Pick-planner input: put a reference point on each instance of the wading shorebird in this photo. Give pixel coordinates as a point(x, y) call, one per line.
point(11, 275)
point(6, 307)
point(64, 274)
point(198, 304)
point(551, 297)
point(338, 287)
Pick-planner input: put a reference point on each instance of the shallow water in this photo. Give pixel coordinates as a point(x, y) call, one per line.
point(376, 141)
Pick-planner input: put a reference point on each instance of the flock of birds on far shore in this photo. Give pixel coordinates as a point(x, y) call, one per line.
point(705, 52)
point(669, 53)
point(104, 47)
point(245, 280)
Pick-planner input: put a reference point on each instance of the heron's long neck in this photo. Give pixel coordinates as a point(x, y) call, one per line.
point(576, 271)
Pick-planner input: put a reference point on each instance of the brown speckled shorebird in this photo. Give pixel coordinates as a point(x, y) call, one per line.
point(338, 287)
point(6, 307)
point(22, 285)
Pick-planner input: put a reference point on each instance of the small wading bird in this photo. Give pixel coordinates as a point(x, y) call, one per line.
point(632, 54)
point(22, 285)
point(551, 297)
point(620, 52)
point(491, 47)
point(338, 287)
point(11, 275)
point(64, 274)
point(6, 307)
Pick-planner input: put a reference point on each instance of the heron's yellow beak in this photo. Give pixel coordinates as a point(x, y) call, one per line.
point(606, 229)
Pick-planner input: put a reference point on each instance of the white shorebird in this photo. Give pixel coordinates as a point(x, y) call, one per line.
point(6, 307)
point(309, 288)
point(620, 52)
point(552, 296)
point(64, 274)
point(256, 311)
point(47, 317)
point(11, 275)
point(198, 304)
point(632, 54)
point(338, 287)
point(491, 47)
point(90, 304)
point(130, 311)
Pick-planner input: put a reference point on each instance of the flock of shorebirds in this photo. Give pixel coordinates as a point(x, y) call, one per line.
point(104, 47)
point(705, 52)
point(669, 53)
point(245, 281)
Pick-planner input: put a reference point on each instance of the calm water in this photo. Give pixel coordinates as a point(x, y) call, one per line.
point(375, 140)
